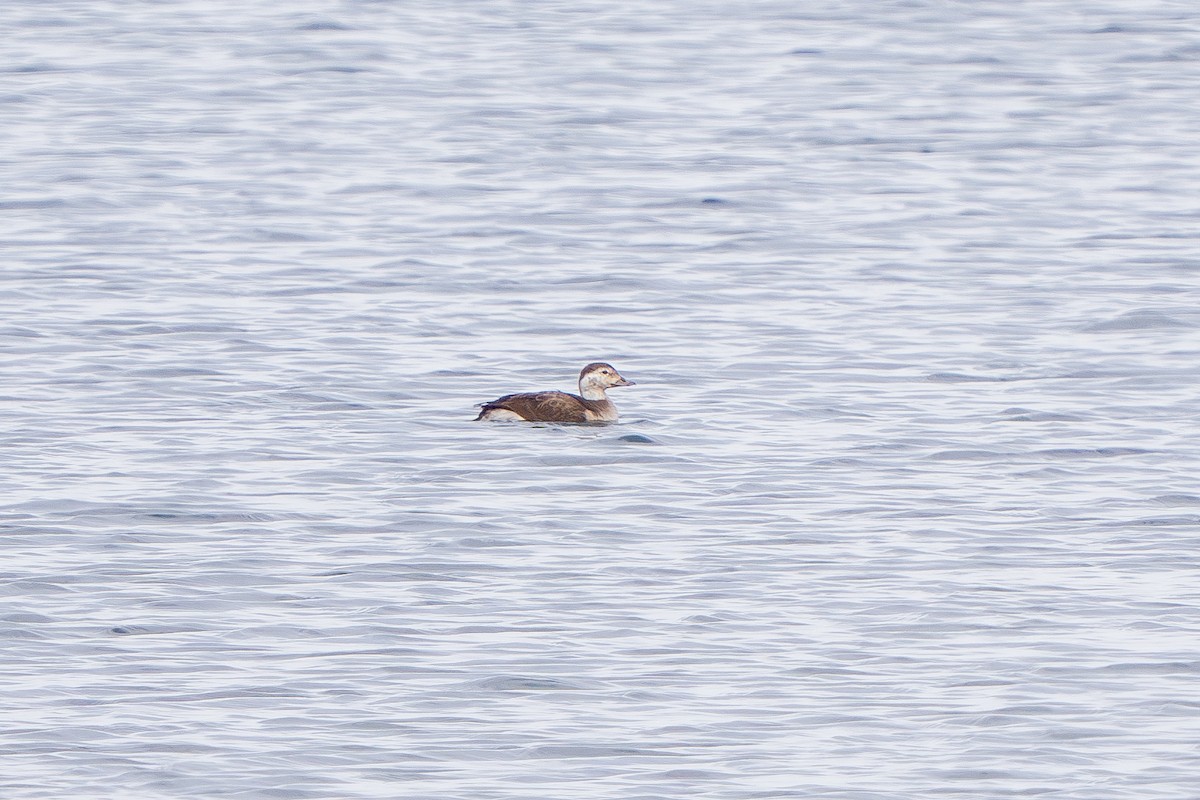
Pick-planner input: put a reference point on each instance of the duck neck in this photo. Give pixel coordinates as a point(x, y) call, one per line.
point(591, 392)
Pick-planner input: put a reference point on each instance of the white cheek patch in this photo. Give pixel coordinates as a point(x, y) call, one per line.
point(593, 385)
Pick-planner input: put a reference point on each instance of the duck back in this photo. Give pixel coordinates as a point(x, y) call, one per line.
point(548, 407)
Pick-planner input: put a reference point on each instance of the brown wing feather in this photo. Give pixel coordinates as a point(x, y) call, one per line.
point(542, 406)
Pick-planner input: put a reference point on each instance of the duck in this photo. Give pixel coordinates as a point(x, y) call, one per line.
point(590, 405)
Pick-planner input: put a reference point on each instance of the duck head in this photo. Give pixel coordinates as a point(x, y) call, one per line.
point(595, 378)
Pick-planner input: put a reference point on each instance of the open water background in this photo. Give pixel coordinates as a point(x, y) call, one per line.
point(906, 503)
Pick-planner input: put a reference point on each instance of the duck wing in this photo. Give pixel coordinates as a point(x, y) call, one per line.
point(541, 406)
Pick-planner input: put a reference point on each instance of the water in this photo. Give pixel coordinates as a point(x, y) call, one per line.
point(904, 504)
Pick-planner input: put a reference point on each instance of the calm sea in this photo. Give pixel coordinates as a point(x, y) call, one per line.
point(905, 503)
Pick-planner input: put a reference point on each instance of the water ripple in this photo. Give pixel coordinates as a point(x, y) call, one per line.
point(904, 501)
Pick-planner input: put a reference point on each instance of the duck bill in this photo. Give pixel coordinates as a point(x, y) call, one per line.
point(624, 382)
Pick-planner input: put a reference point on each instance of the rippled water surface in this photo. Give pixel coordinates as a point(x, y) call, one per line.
point(905, 503)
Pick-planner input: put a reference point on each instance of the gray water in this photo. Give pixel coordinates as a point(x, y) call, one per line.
point(905, 504)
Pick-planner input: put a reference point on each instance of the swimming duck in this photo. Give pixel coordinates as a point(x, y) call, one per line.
point(590, 405)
